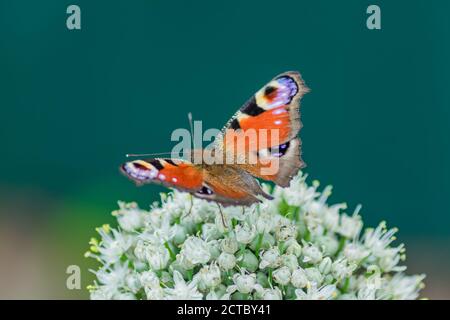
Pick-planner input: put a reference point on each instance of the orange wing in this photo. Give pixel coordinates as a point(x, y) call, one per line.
point(175, 173)
point(262, 135)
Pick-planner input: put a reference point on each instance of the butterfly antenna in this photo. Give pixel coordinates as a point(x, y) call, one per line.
point(128, 155)
point(223, 218)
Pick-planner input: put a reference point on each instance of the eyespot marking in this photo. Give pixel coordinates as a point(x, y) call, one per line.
point(280, 150)
point(139, 171)
point(205, 191)
point(269, 90)
point(277, 151)
point(289, 84)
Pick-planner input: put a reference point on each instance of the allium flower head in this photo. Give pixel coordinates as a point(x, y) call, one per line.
point(296, 246)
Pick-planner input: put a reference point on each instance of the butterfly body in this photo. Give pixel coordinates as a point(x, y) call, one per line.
point(260, 141)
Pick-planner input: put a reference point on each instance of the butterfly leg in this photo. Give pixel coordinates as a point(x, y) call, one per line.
point(190, 208)
point(223, 218)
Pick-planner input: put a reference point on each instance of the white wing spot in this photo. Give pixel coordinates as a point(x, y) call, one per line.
point(278, 111)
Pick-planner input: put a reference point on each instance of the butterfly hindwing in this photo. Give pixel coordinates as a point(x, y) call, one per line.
point(223, 184)
point(231, 186)
point(278, 164)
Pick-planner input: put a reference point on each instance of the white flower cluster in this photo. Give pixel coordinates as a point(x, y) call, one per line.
point(293, 247)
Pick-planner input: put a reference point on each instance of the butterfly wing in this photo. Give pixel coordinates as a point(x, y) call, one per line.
point(175, 173)
point(273, 109)
point(224, 184)
point(230, 185)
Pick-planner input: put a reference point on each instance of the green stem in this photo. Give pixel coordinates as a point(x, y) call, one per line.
point(346, 284)
point(258, 244)
point(171, 253)
point(269, 277)
point(307, 235)
point(341, 245)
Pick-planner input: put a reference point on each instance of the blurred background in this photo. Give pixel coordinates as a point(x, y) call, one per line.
point(73, 103)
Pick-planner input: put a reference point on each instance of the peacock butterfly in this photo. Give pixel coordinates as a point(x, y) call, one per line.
point(274, 108)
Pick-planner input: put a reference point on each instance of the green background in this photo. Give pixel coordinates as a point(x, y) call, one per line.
point(72, 103)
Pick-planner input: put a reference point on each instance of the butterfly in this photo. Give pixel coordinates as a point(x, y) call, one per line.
point(275, 108)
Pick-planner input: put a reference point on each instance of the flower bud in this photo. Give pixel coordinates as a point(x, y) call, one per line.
point(312, 254)
point(264, 223)
point(272, 294)
point(350, 226)
point(129, 217)
point(195, 250)
point(245, 234)
point(214, 249)
point(157, 258)
point(293, 247)
point(226, 261)
point(267, 242)
point(328, 244)
point(133, 282)
point(149, 279)
point(140, 249)
point(184, 262)
point(262, 279)
point(286, 232)
point(290, 261)
point(325, 265)
point(282, 275)
point(210, 276)
point(355, 252)
point(179, 234)
point(341, 269)
point(229, 245)
point(270, 258)
point(245, 282)
point(154, 293)
point(299, 278)
point(331, 217)
point(210, 231)
point(165, 278)
point(178, 266)
point(314, 275)
point(248, 261)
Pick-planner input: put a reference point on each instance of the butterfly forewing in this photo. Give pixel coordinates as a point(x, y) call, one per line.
point(261, 137)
